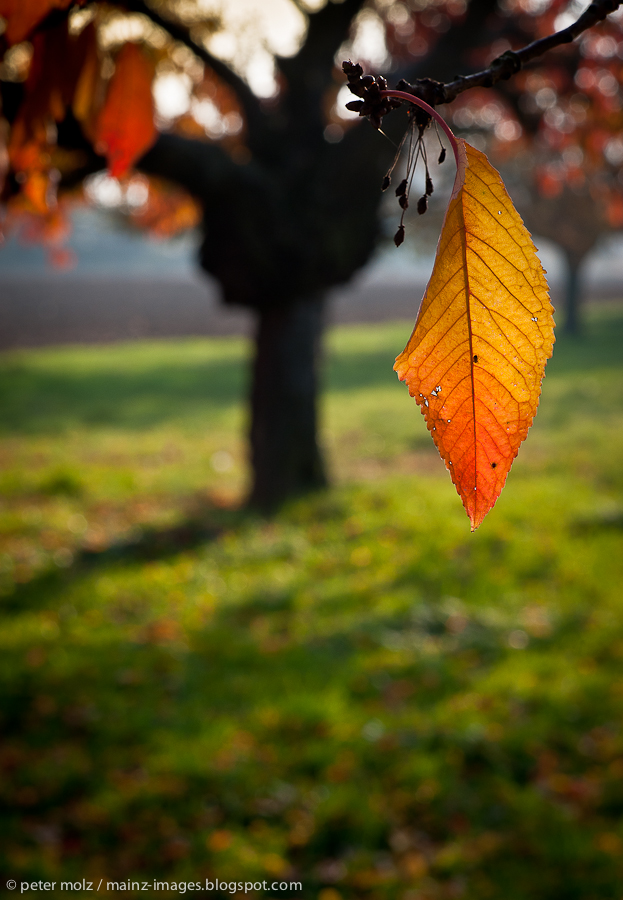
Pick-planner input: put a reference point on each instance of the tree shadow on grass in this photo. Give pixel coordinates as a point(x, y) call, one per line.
point(50, 397)
point(41, 400)
point(204, 523)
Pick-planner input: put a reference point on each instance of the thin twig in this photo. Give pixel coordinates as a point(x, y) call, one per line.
point(510, 62)
point(411, 98)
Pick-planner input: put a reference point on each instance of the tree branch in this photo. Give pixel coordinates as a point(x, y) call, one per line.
point(327, 29)
point(179, 32)
point(204, 169)
point(450, 51)
point(310, 73)
point(509, 63)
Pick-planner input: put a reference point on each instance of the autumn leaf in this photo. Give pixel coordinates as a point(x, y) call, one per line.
point(167, 211)
point(477, 355)
point(22, 16)
point(125, 127)
point(85, 94)
point(49, 87)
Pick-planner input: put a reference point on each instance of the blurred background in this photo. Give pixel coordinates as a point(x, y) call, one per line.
point(246, 632)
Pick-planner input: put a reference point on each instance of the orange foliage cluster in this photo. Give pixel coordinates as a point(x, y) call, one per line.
point(69, 74)
point(581, 131)
point(65, 74)
point(57, 65)
point(167, 210)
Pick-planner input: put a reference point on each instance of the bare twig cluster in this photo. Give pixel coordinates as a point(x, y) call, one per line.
point(375, 101)
point(504, 67)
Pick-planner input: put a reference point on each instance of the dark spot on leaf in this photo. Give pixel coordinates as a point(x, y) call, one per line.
point(493, 465)
point(475, 358)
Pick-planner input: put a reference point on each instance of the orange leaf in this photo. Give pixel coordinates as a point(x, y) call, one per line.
point(23, 15)
point(48, 89)
point(167, 211)
point(88, 80)
point(125, 128)
point(476, 358)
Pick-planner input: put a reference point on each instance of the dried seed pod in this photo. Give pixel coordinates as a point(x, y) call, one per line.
point(355, 105)
point(402, 188)
point(404, 201)
point(429, 185)
point(399, 236)
point(386, 183)
point(350, 68)
point(422, 204)
point(442, 155)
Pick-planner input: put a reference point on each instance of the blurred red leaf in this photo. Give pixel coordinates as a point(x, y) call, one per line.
point(125, 127)
point(22, 16)
point(57, 61)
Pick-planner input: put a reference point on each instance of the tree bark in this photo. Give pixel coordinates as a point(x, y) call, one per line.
point(285, 456)
point(573, 319)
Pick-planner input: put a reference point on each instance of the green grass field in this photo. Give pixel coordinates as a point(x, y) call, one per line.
point(358, 694)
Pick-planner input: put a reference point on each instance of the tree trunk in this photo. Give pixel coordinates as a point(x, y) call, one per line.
point(573, 324)
point(285, 456)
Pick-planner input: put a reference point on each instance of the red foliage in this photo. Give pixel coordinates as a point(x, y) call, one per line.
point(23, 15)
point(58, 59)
point(125, 126)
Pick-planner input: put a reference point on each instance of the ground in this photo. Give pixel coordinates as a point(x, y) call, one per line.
point(358, 694)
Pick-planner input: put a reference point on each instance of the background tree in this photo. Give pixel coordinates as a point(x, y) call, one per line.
point(558, 123)
point(575, 220)
point(289, 191)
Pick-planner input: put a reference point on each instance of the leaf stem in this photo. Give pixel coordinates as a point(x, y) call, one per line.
point(410, 98)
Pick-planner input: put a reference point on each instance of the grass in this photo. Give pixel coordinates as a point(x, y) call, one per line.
point(358, 694)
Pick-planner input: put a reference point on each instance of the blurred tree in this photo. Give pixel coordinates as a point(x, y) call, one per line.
point(561, 123)
point(288, 189)
point(575, 220)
